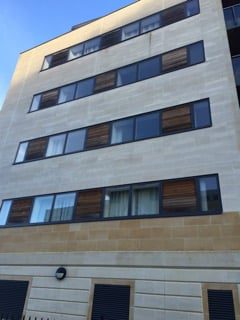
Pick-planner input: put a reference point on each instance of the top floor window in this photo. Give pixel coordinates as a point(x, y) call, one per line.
point(232, 16)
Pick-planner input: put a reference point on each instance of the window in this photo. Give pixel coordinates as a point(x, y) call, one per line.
point(21, 152)
point(147, 126)
point(36, 149)
point(130, 31)
point(105, 81)
point(111, 38)
point(236, 69)
point(75, 141)
point(85, 88)
point(116, 203)
point(59, 58)
point(55, 145)
point(92, 45)
point(20, 211)
point(75, 52)
point(127, 75)
point(145, 199)
point(192, 7)
point(97, 136)
point(122, 131)
point(49, 99)
point(89, 204)
point(173, 14)
point(210, 196)
point(35, 102)
point(41, 209)
point(202, 116)
point(63, 207)
point(150, 23)
point(4, 211)
point(47, 62)
point(149, 68)
point(67, 93)
point(174, 59)
point(196, 53)
point(179, 196)
point(176, 119)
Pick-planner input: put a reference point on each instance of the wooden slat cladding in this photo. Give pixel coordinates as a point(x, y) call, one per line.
point(59, 58)
point(105, 81)
point(36, 149)
point(98, 136)
point(174, 59)
point(49, 99)
point(174, 14)
point(111, 38)
point(20, 211)
point(179, 196)
point(89, 204)
point(177, 118)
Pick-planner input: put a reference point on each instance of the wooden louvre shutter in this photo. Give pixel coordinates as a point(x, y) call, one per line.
point(89, 204)
point(105, 81)
point(20, 211)
point(179, 196)
point(36, 149)
point(98, 136)
point(174, 59)
point(111, 302)
point(111, 38)
point(177, 118)
point(49, 99)
point(173, 14)
point(221, 305)
point(59, 58)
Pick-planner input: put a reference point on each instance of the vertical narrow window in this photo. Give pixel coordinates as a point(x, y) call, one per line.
point(236, 69)
point(21, 152)
point(150, 23)
point(221, 305)
point(75, 141)
point(4, 211)
point(89, 204)
point(111, 38)
point(59, 58)
point(179, 196)
point(176, 119)
point(210, 194)
point(147, 126)
point(92, 45)
point(173, 14)
point(116, 202)
point(149, 68)
point(55, 145)
point(145, 199)
point(20, 211)
point(41, 209)
point(36, 149)
point(127, 75)
point(67, 93)
point(63, 207)
point(47, 62)
point(105, 81)
point(229, 18)
point(35, 102)
point(49, 99)
point(122, 131)
point(174, 59)
point(130, 31)
point(196, 53)
point(75, 52)
point(84, 88)
point(97, 136)
point(201, 110)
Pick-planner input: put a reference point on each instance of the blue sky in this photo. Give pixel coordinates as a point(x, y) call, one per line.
point(26, 23)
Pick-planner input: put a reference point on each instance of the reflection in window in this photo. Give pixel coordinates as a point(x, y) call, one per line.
point(35, 102)
point(130, 31)
point(63, 207)
point(85, 88)
point(56, 145)
point(6, 205)
point(145, 199)
point(147, 126)
point(201, 114)
point(210, 196)
point(75, 52)
point(150, 23)
point(127, 75)
point(21, 152)
point(122, 131)
point(67, 93)
point(196, 53)
point(75, 141)
point(192, 7)
point(47, 62)
point(149, 68)
point(41, 209)
point(116, 202)
point(92, 45)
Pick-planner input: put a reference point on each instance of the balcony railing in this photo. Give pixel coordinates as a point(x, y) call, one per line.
point(232, 16)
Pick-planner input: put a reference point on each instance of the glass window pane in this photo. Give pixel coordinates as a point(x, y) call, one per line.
point(4, 212)
point(75, 141)
point(201, 114)
point(192, 7)
point(41, 209)
point(150, 23)
point(21, 152)
point(229, 18)
point(92, 45)
point(85, 88)
point(67, 93)
point(236, 68)
point(127, 75)
point(210, 194)
point(237, 14)
point(116, 202)
point(56, 145)
point(63, 207)
point(47, 62)
point(196, 52)
point(145, 199)
point(75, 52)
point(148, 126)
point(149, 68)
point(130, 31)
point(122, 131)
point(35, 102)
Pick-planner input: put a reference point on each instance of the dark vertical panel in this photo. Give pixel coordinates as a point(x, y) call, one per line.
point(98, 136)
point(105, 81)
point(173, 14)
point(20, 211)
point(220, 305)
point(111, 38)
point(176, 118)
point(89, 204)
point(36, 149)
point(59, 58)
point(49, 99)
point(174, 59)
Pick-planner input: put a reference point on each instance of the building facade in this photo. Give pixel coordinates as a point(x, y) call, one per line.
point(120, 155)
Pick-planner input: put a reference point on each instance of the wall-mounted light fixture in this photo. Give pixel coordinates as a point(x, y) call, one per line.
point(61, 273)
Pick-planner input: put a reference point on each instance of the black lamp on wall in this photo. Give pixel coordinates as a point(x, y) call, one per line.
point(61, 273)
